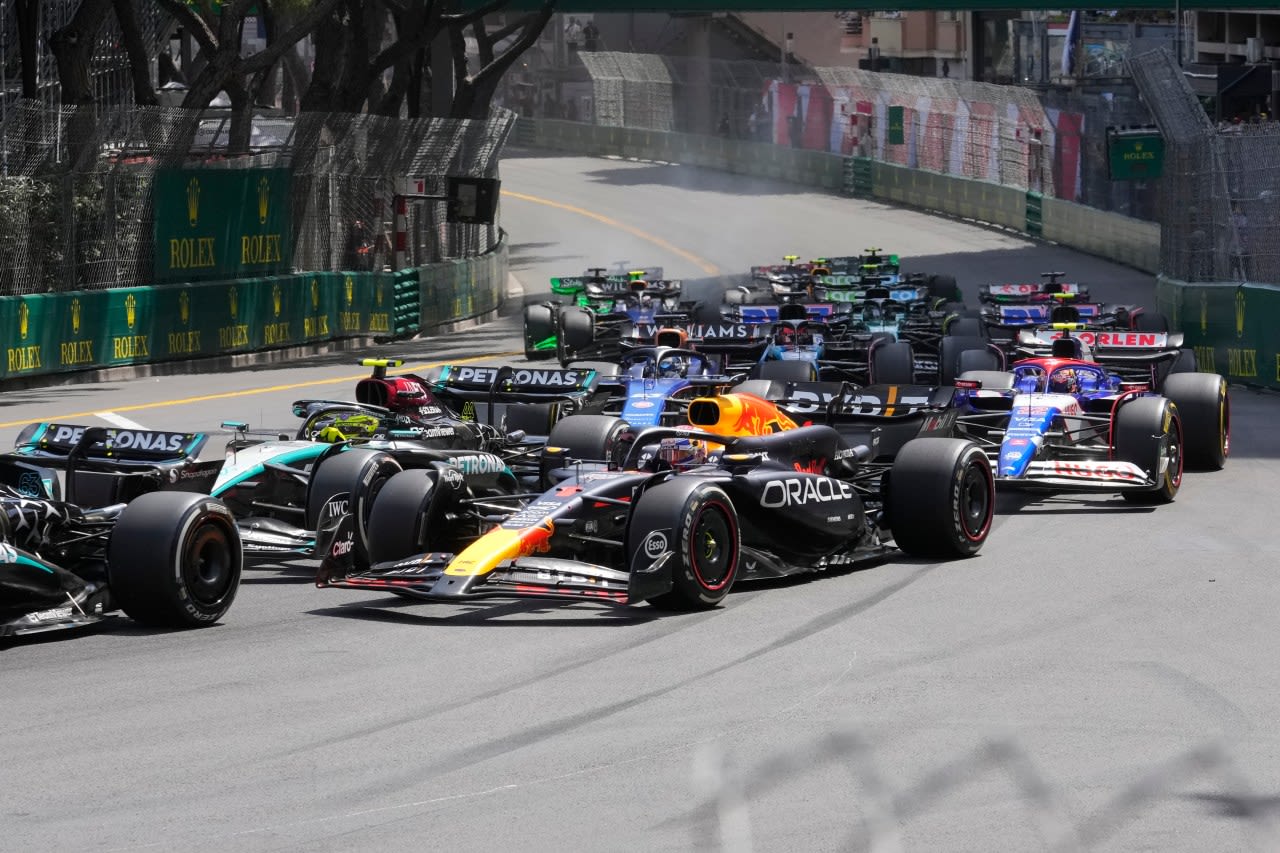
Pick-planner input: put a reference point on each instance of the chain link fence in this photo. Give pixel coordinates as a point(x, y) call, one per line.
point(76, 203)
point(1222, 185)
point(1044, 140)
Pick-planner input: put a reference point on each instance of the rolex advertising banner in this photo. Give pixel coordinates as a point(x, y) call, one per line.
point(221, 224)
point(1233, 329)
point(51, 333)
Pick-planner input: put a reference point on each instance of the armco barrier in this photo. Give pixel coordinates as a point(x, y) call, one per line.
point(1233, 328)
point(1110, 235)
point(63, 332)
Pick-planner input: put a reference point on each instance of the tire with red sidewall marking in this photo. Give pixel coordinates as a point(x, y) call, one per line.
point(940, 498)
point(695, 524)
point(1204, 406)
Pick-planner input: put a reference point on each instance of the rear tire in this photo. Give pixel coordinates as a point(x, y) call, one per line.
point(1151, 321)
point(941, 498)
point(893, 364)
point(978, 360)
point(699, 526)
point(784, 371)
point(1204, 407)
point(577, 330)
point(589, 438)
point(949, 355)
point(971, 327)
point(539, 324)
point(1147, 432)
point(174, 560)
point(944, 287)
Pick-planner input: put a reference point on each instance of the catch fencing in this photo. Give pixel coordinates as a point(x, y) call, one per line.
point(1221, 184)
point(1044, 141)
point(78, 209)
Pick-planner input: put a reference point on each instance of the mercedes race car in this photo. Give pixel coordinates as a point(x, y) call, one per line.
point(136, 531)
point(490, 421)
point(1065, 423)
point(673, 516)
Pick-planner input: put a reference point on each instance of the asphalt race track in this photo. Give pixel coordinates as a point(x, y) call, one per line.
point(1101, 677)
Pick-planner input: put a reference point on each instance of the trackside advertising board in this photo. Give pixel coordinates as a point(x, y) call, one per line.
point(51, 333)
point(220, 224)
point(1233, 328)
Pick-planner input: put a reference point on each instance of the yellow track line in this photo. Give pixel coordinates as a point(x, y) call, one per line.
point(702, 263)
point(227, 395)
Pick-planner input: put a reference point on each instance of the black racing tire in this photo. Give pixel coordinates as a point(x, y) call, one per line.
point(397, 518)
point(949, 351)
point(972, 327)
point(1204, 407)
point(577, 330)
point(893, 364)
point(983, 360)
point(539, 324)
point(698, 524)
point(532, 418)
point(707, 314)
point(174, 560)
point(588, 438)
point(1151, 321)
point(1184, 363)
point(361, 474)
point(784, 371)
point(940, 498)
point(1147, 433)
point(944, 287)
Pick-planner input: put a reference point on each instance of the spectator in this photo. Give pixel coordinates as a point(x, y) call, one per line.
point(795, 131)
point(723, 127)
point(590, 37)
point(753, 125)
point(1240, 243)
point(573, 35)
point(359, 255)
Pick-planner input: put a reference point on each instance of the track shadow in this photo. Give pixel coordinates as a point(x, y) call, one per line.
point(694, 178)
point(467, 614)
point(1238, 805)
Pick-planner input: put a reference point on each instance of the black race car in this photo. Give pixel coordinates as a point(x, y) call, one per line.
point(137, 531)
point(672, 516)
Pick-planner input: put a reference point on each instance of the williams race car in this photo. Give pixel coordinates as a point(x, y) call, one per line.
point(673, 516)
point(134, 532)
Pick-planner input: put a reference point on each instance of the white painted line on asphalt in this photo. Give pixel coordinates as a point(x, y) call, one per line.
point(117, 420)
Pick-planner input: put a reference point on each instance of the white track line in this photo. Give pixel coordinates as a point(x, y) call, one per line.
point(116, 420)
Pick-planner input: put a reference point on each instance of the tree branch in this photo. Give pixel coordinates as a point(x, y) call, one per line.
point(193, 22)
point(535, 23)
point(267, 57)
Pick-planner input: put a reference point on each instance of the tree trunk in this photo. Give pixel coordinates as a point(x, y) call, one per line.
point(241, 132)
point(144, 94)
point(331, 56)
point(72, 47)
point(28, 15)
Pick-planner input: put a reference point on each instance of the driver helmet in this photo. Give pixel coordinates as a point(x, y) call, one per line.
point(671, 366)
point(1064, 381)
point(680, 452)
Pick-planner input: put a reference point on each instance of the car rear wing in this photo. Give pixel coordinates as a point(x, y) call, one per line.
point(507, 383)
point(1133, 354)
point(55, 442)
point(820, 311)
point(1029, 291)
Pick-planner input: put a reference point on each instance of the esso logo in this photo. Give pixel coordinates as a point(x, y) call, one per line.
point(655, 545)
